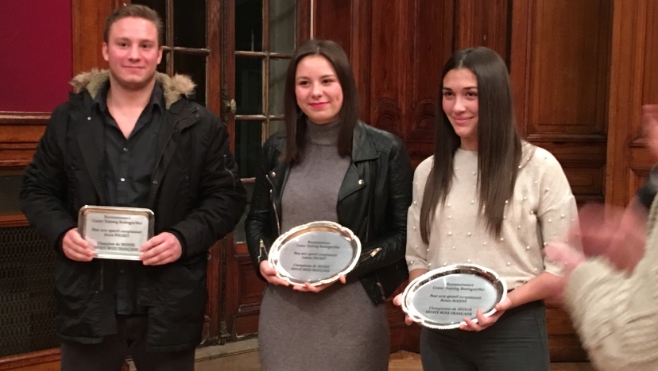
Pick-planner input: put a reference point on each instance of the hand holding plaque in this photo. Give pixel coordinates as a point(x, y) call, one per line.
point(115, 232)
point(316, 253)
point(442, 298)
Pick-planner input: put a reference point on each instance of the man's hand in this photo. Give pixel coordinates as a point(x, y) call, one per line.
point(75, 248)
point(161, 249)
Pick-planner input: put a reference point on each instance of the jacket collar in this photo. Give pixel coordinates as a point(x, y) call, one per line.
point(173, 87)
point(362, 147)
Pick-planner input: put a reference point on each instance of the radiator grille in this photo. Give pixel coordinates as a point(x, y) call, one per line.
point(10, 185)
point(27, 303)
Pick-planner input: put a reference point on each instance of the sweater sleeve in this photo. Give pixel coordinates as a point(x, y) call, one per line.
point(557, 210)
point(615, 315)
point(416, 251)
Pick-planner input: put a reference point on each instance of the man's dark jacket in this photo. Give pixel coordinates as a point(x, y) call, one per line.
point(373, 202)
point(195, 192)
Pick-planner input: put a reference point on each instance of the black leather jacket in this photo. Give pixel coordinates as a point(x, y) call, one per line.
point(373, 201)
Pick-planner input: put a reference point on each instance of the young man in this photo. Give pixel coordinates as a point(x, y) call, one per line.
point(130, 137)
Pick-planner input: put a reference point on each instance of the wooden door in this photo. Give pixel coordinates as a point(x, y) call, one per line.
point(260, 37)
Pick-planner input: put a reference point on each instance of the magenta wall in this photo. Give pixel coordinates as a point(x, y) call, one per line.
point(35, 54)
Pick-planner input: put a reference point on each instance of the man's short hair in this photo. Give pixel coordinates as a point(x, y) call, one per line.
point(137, 11)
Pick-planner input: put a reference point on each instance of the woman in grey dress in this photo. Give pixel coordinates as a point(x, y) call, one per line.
point(329, 166)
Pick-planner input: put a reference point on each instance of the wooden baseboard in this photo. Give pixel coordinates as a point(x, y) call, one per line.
point(46, 360)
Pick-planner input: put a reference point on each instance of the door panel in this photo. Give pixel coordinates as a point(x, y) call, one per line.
point(633, 83)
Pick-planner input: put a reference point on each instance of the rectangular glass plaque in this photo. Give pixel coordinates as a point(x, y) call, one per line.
point(115, 232)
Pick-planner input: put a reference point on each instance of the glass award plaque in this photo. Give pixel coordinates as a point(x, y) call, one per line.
point(442, 298)
point(317, 253)
point(115, 232)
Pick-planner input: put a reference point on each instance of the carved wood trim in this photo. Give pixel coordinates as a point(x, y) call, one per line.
point(558, 137)
point(360, 52)
point(626, 76)
point(19, 136)
point(211, 331)
point(24, 118)
point(518, 55)
point(17, 220)
point(636, 178)
point(50, 356)
point(214, 62)
point(303, 21)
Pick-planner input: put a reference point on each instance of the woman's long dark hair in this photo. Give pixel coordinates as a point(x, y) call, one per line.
point(295, 119)
point(499, 142)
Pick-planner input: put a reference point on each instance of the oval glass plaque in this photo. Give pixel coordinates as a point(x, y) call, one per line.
point(442, 298)
point(317, 253)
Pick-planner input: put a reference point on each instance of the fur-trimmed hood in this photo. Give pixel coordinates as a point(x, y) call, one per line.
point(173, 87)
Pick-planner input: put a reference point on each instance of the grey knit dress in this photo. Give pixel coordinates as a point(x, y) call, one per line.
point(338, 329)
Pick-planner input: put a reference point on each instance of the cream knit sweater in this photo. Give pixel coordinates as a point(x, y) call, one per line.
point(617, 315)
point(541, 210)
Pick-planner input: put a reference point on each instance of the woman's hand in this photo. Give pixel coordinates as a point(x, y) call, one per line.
point(398, 301)
point(485, 322)
point(309, 288)
point(415, 273)
point(269, 273)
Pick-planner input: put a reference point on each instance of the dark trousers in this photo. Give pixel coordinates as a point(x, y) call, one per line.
point(516, 342)
point(110, 354)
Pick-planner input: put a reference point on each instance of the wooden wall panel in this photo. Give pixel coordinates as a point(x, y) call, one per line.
point(650, 85)
point(348, 22)
point(244, 292)
point(19, 134)
point(431, 45)
point(410, 41)
point(559, 64)
point(396, 50)
point(483, 23)
point(390, 53)
point(88, 20)
point(559, 69)
point(333, 21)
point(633, 83)
point(584, 165)
point(568, 67)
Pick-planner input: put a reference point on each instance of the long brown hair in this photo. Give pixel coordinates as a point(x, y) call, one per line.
point(499, 142)
point(295, 119)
